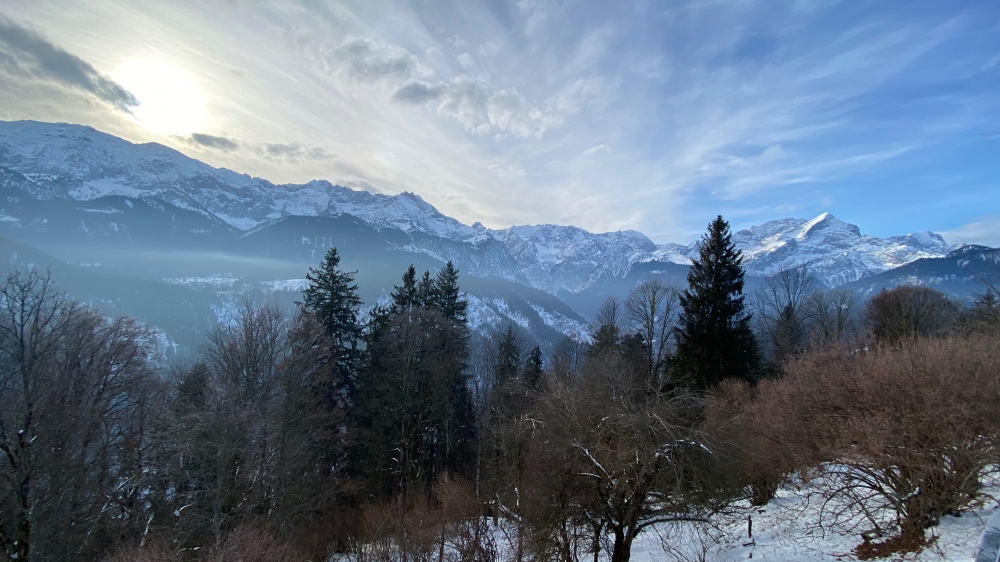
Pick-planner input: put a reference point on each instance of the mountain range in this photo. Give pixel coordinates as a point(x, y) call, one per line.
point(146, 211)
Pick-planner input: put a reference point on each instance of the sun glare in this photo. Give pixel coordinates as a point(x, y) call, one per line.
point(170, 103)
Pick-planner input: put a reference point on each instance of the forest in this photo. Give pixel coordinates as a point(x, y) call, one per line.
point(396, 434)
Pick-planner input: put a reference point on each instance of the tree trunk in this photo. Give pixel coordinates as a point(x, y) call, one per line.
point(622, 550)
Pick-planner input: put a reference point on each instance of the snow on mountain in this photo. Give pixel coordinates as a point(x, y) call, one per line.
point(834, 251)
point(77, 162)
point(566, 258)
point(73, 162)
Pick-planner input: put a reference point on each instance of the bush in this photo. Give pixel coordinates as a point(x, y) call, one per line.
point(731, 417)
point(446, 526)
point(243, 544)
point(905, 434)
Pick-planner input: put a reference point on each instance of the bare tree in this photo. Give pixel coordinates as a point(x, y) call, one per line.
point(780, 305)
point(651, 312)
point(606, 329)
point(629, 456)
point(908, 312)
point(221, 447)
point(832, 316)
point(566, 359)
point(75, 391)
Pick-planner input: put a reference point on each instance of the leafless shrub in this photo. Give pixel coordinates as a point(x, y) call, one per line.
point(244, 544)
point(762, 462)
point(906, 434)
point(689, 541)
point(446, 526)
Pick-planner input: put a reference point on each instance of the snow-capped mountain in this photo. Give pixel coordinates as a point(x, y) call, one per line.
point(834, 251)
point(81, 163)
point(76, 163)
point(566, 258)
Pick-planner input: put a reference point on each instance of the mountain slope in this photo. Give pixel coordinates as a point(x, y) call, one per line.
point(964, 273)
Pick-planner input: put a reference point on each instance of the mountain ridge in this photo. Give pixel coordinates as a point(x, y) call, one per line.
point(76, 162)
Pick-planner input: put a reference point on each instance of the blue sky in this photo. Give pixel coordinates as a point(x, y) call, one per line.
point(648, 115)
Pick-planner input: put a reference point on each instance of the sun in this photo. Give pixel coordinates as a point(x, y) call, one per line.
point(170, 103)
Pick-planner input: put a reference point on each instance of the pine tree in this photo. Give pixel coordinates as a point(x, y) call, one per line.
point(714, 339)
point(447, 296)
point(507, 361)
point(405, 297)
point(532, 375)
point(414, 411)
point(333, 297)
point(425, 291)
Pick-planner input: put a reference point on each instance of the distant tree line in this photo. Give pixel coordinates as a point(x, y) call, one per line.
point(396, 434)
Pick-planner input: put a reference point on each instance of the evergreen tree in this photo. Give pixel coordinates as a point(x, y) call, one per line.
point(425, 291)
point(414, 413)
point(714, 339)
point(532, 375)
point(507, 360)
point(447, 296)
point(333, 297)
point(404, 297)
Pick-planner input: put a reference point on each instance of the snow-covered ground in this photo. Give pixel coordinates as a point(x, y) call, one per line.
point(790, 529)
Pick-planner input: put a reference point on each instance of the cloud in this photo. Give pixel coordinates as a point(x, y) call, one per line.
point(510, 111)
point(465, 59)
point(595, 149)
point(479, 109)
point(458, 42)
point(211, 141)
point(417, 92)
point(590, 92)
point(279, 152)
point(24, 52)
point(368, 59)
point(293, 151)
point(985, 231)
point(483, 111)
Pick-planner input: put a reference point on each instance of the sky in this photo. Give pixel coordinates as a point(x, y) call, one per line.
point(648, 115)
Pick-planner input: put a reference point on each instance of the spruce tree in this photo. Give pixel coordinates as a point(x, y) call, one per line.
point(447, 296)
point(533, 368)
point(404, 297)
point(414, 412)
point(333, 297)
point(425, 291)
point(714, 339)
point(508, 358)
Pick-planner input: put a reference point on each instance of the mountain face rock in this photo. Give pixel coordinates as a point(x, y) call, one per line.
point(59, 162)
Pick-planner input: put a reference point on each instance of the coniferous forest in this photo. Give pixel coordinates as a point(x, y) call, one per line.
point(395, 433)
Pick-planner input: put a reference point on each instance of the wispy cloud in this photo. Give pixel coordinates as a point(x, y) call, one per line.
point(647, 115)
point(984, 231)
point(25, 53)
point(212, 141)
point(284, 152)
